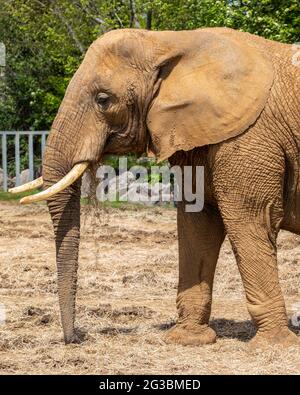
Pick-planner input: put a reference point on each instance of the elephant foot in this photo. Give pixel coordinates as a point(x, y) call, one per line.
point(187, 335)
point(281, 337)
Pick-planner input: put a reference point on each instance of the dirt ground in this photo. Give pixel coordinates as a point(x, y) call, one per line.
point(126, 299)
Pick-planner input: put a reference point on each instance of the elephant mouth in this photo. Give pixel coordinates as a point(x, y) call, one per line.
point(73, 175)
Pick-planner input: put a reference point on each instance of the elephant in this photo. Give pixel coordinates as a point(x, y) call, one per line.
point(214, 97)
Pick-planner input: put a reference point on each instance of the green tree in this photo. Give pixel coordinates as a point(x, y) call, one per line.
point(46, 40)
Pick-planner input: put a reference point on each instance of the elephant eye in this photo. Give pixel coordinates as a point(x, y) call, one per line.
point(102, 99)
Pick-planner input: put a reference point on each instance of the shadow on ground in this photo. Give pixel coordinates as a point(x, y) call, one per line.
point(231, 329)
point(225, 328)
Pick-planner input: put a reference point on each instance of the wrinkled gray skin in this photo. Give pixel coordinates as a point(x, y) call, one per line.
point(251, 186)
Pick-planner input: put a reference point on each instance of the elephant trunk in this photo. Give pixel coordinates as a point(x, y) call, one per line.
point(65, 213)
point(64, 209)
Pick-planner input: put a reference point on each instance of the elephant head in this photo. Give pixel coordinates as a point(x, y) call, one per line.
point(140, 91)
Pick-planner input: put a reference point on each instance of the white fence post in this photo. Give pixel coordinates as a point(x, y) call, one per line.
point(30, 149)
point(17, 158)
point(4, 160)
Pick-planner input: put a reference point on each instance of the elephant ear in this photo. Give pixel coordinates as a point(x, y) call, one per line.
point(214, 90)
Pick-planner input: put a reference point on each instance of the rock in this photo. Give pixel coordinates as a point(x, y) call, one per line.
point(144, 160)
point(24, 176)
point(11, 182)
point(86, 185)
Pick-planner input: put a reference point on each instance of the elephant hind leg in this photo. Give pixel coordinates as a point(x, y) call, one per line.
point(200, 236)
point(255, 253)
point(250, 199)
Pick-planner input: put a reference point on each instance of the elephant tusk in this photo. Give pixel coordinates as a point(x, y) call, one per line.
point(28, 186)
point(68, 179)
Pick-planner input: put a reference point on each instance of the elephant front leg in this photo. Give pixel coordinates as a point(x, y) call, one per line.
point(200, 236)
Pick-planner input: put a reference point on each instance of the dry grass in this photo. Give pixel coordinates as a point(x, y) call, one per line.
point(126, 300)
